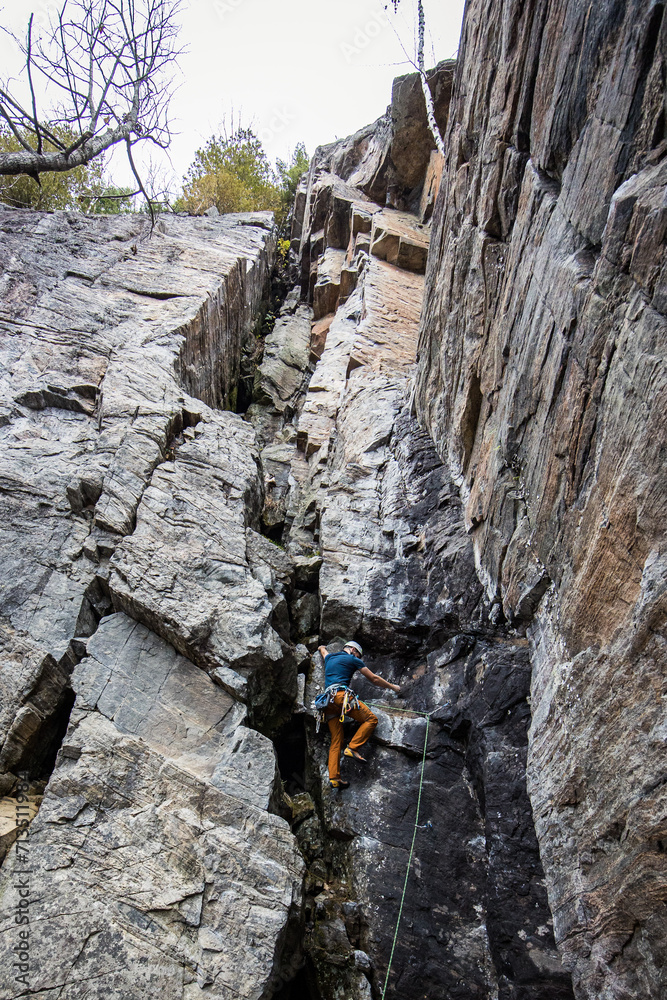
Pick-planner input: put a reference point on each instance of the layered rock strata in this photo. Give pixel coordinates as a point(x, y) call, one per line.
point(155, 864)
point(135, 580)
point(491, 532)
point(390, 167)
point(542, 382)
point(375, 526)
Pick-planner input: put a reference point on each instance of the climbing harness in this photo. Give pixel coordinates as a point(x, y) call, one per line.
point(350, 702)
point(324, 700)
point(427, 716)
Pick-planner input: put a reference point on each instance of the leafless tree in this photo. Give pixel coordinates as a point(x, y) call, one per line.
point(110, 62)
point(419, 66)
point(428, 96)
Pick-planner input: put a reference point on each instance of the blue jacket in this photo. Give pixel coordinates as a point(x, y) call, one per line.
point(339, 667)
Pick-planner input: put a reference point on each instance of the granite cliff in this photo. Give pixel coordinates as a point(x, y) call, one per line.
point(542, 382)
point(453, 452)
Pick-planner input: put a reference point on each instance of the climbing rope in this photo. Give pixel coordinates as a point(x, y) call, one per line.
point(427, 716)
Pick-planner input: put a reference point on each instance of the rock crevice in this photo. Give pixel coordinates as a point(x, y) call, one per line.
point(365, 500)
point(453, 453)
point(158, 862)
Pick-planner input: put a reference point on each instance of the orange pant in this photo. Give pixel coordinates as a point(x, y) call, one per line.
point(362, 714)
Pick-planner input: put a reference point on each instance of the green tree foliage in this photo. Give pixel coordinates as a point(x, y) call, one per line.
point(83, 188)
point(290, 174)
point(234, 175)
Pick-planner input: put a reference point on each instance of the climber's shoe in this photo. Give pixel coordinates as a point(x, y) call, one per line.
point(340, 784)
point(349, 752)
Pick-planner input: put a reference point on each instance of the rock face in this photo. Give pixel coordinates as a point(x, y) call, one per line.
point(453, 454)
point(391, 163)
point(542, 382)
point(157, 862)
point(158, 865)
point(192, 571)
point(372, 509)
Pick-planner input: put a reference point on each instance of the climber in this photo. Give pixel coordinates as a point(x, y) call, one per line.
point(339, 700)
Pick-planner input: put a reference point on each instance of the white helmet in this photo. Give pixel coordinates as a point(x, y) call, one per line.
point(355, 645)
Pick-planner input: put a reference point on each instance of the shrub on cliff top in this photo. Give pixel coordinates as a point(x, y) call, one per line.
point(233, 173)
point(290, 174)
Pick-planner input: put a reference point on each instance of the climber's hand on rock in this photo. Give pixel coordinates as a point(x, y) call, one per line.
point(396, 688)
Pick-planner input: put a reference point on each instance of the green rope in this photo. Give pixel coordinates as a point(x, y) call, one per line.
point(412, 845)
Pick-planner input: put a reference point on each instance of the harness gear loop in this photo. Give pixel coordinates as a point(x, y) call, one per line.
point(320, 704)
point(324, 701)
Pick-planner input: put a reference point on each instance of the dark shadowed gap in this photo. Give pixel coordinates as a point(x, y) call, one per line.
point(38, 754)
point(302, 987)
point(283, 278)
point(290, 744)
point(274, 532)
point(52, 737)
point(251, 358)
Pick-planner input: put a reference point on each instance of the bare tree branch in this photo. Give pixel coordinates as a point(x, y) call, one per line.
point(112, 62)
point(79, 142)
point(17, 135)
point(88, 199)
point(140, 182)
point(428, 96)
point(7, 101)
point(419, 66)
point(69, 75)
point(32, 86)
point(40, 163)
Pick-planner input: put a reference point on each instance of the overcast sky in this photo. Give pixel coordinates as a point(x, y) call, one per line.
point(296, 70)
